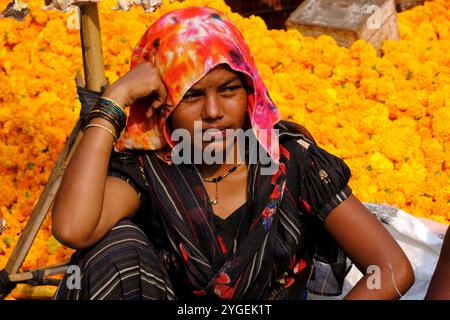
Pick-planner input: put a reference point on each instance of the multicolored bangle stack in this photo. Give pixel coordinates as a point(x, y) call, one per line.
point(111, 111)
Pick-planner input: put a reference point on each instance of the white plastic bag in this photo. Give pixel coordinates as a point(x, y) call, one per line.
point(421, 240)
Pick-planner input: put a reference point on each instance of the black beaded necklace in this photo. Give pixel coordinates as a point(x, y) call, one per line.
point(216, 180)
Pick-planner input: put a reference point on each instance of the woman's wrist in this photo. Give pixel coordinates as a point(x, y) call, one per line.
point(111, 113)
point(103, 122)
point(117, 95)
point(105, 126)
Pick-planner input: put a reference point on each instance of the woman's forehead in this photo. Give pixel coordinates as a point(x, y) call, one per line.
point(216, 76)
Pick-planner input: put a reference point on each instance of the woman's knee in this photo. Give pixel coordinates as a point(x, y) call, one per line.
point(124, 263)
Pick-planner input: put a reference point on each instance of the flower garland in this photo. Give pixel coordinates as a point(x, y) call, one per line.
point(386, 116)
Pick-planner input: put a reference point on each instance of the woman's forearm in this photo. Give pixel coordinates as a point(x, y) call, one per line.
point(383, 284)
point(78, 204)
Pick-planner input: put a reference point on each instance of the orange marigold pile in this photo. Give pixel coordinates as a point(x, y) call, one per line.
point(388, 116)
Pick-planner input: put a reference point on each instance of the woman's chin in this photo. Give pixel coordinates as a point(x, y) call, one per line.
point(216, 151)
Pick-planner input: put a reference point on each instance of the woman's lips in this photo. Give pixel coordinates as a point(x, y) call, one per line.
point(215, 134)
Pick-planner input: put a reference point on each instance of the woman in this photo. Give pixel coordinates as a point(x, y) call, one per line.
point(265, 230)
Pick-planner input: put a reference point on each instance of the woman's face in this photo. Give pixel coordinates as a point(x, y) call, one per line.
point(219, 101)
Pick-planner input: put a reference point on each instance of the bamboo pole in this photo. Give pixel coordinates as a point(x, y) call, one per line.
point(43, 205)
point(47, 271)
point(91, 44)
point(95, 79)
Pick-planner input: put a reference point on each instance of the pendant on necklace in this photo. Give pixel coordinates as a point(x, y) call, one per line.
point(216, 200)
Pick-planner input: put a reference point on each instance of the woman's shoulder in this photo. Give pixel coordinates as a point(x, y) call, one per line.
point(131, 156)
point(287, 130)
point(302, 148)
point(323, 177)
point(129, 166)
point(294, 138)
point(299, 142)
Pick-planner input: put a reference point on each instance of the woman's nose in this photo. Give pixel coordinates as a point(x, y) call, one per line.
point(212, 108)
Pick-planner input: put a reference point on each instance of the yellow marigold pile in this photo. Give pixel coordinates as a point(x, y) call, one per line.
point(388, 117)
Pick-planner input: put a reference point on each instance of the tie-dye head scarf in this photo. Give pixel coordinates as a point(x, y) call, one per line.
point(184, 45)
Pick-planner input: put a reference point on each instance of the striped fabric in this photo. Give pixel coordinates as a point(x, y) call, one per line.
point(286, 216)
point(124, 265)
point(284, 248)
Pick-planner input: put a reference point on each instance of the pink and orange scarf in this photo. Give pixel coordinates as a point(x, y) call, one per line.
point(184, 45)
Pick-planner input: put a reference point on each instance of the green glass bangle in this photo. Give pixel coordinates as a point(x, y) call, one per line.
point(114, 111)
point(119, 122)
point(110, 102)
point(106, 99)
point(111, 111)
point(98, 113)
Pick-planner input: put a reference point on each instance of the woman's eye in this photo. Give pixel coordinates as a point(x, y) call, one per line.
point(232, 88)
point(191, 96)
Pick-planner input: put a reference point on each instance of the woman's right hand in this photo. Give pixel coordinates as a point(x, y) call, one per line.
point(89, 203)
point(141, 82)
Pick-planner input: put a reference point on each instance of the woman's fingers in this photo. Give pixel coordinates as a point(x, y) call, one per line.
point(142, 85)
point(156, 99)
point(156, 104)
point(161, 97)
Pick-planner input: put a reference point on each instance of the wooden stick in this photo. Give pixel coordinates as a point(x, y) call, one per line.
point(29, 275)
point(95, 79)
point(91, 43)
point(43, 205)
